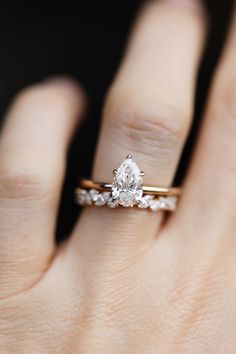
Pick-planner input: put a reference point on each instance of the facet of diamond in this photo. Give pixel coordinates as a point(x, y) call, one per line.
point(83, 197)
point(145, 201)
point(127, 186)
point(100, 201)
point(155, 204)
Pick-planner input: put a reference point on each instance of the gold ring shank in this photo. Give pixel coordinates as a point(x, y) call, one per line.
point(103, 187)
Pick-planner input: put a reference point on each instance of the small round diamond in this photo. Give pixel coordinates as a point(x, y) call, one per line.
point(93, 194)
point(83, 197)
point(100, 200)
point(172, 201)
point(112, 204)
point(155, 204)
point(145, 201)
point(168, 203)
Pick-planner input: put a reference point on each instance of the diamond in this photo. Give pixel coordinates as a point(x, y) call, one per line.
point(155, 204)
point(106, 196)
point(127, 186)
point(100, 200)
point(172, 201)
point(93, 193)
point(83, 197)
point(112, 203)
point(168, 203)
point(145, 201)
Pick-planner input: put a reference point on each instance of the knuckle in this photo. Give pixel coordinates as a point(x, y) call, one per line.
point(23, 186)
point(154, 124)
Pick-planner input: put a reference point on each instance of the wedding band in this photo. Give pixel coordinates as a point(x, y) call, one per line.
point(127, 190)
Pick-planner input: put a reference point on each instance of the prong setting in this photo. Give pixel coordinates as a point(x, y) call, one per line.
point(128, 157)
point(114, 172)
point(142, 173)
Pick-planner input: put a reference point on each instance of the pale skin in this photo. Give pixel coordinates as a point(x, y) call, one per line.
point(124, 282)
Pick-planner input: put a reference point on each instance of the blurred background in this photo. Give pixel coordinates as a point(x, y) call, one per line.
point(85, 40)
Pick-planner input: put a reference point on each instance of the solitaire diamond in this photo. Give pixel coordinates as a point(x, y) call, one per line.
point(127, 186)
point(106, 196)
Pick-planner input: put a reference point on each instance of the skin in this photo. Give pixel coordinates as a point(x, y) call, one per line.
point(124, 282)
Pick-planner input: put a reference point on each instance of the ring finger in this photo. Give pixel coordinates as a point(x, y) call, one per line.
point(147, 114)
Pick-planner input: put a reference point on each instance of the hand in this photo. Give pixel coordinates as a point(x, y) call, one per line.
point(124, 282)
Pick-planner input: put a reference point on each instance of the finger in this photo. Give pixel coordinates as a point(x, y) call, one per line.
point(147, 114)
point(33, 147)
point(210, 190)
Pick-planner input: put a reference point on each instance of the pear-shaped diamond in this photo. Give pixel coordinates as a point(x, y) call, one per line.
point(127, 186)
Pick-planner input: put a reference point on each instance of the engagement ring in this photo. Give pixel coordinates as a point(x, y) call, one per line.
point(127, 190)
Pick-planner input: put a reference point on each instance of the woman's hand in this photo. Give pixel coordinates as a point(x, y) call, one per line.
point(124, 282)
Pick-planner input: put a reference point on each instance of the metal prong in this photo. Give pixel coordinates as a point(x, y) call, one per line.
point(142, 173)
point(114, 172)
point(128, 157)
point(138, 202)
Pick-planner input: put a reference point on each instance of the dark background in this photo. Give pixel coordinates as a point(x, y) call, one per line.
point(85, 40)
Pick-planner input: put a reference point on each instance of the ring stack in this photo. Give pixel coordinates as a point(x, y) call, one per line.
point(127, 190)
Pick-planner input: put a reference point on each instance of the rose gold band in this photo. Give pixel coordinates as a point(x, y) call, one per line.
point(103, 187)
